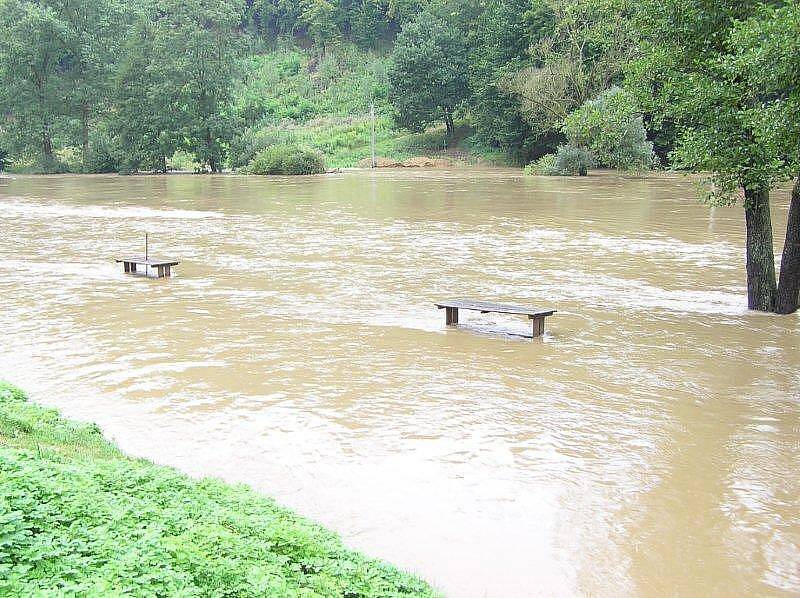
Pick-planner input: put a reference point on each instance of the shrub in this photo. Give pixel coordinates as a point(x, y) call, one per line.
point(183, 161)
point(544, 165)
point(104, 153)
point(287, 159)
point(252, 142)
point(570, 160)
point(611, 127)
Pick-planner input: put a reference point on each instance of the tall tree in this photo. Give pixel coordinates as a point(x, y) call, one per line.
point(428, 78)
point(686, 74)
point(175, 83)
point(765, 55)
point(32, 56)
point(96, 30)
point(579, 49)
point(499, 44)
point(318, 18)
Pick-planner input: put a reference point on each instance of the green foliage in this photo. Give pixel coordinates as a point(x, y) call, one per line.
point(764, 53)
point(289, 85)
point(55, 62)
point(572, 160)
point(171, 99)
point(502, 34)
point(611, 128)
point(30, 83)
point(428, 77)
point(569, 160)
point(545, 165)
point(287, 159)
point(696, 75)
point(102, 157)
point(365, 22)
point(318, 18)
point(578, 49)
point(77, 517)
point(100, 85)
point(682, 77)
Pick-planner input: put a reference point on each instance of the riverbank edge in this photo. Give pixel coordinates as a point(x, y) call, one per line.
point(79, 516)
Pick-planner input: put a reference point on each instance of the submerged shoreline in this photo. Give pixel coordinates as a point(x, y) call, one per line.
point(78, 515)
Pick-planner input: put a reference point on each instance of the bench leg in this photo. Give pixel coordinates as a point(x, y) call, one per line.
point(538, 326)
point(451, 316)
point(133, 268)
point(126, 267)
point(167, 271)
point(161, 272)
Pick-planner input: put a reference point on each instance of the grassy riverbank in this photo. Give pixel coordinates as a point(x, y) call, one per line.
point(78, 516)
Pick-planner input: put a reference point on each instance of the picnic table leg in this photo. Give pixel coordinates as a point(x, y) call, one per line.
point(161, 272)
point(133, 268)
point(167, 271)
point(451, 316)
point(538, 325)
point(126, 267)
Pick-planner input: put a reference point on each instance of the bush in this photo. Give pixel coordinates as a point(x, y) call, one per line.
point(183, 161)
point(544, 165)
point(103, 155)
point(287, 159)
point(252, 142)
point(570, 160)
point(611, 127)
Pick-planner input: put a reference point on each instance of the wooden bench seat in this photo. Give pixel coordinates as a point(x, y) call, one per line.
point(451, 307)
point(162, 265)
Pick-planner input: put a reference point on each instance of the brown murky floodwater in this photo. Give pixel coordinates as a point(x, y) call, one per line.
point(649, 444)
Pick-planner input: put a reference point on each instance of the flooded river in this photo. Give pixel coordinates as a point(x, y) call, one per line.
point(649, 444)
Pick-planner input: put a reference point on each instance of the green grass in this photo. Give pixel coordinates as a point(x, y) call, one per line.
point(345, 141)
point(78, 517)
point(288, 96)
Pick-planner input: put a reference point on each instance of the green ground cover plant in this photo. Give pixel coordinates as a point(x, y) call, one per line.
point(78, 517)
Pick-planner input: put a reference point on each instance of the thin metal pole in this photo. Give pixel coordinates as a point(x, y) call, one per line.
point(372, 116)
point(145, 247)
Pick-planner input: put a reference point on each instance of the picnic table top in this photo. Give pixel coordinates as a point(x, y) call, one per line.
point(151, 261)
point(486, 307)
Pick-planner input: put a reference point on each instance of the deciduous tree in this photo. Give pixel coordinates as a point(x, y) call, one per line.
point(690, 75)
point(428, 77)
point(32, 87)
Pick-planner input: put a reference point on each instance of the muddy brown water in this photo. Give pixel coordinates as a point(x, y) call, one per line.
point(649, 444)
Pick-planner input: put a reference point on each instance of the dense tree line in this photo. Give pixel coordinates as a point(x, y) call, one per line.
point(690, 84)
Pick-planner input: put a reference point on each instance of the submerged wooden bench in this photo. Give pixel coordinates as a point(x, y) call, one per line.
point(163, 266)
point(452, 306)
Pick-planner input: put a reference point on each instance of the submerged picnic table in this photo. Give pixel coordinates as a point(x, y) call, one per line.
point(452, 306)
point(163, 265)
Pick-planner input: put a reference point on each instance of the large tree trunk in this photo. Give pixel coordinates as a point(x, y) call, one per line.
point(761, 285)
point(789, 285)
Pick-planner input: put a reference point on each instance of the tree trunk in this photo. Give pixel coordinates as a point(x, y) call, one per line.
point(163, 164)
point(47, 144)
point(85, 133)
point(789, 285)
point(760, 257)
point(212, 158)
point(451, 129)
